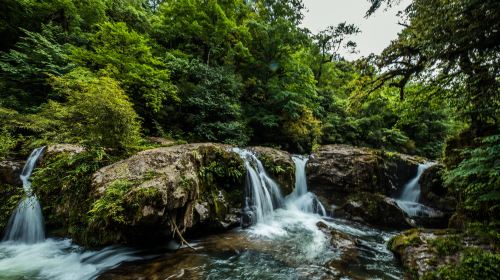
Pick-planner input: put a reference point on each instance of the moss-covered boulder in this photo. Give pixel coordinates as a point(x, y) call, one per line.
point(279, 165)
point(163, 192)
point(444, 254)
point(335, 171)
point(97, 198)
point(373, 209)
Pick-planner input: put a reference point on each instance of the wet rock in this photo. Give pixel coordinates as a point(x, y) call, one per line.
point(336, 170)
point(279, 165)
point(347, 248)
point(10, 170)
point(373, 209)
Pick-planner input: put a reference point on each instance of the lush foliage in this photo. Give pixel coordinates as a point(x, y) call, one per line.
point(474, 264)
point(233, 71)
point(478, 178)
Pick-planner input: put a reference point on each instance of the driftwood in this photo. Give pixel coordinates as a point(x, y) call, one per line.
point(179, 234)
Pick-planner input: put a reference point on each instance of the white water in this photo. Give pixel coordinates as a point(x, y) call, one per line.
point(300, 198)
point(58, 260)
point(408, 200)
point(26, 223)
point(294, 218)
point(263, 194)
point(26, 254)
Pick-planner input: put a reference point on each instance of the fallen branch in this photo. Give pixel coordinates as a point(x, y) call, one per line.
point(176, 229)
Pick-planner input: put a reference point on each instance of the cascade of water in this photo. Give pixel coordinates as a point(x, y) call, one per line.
point(408, 200)
point(263, 194)
point(26, 223)
point(301, 198)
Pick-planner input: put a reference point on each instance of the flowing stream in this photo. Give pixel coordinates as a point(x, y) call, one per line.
point(408, 201)
point(286, 241)
point(289, 238)
point(26, 254)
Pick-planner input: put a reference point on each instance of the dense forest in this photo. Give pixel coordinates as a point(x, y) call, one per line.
point(113, 74)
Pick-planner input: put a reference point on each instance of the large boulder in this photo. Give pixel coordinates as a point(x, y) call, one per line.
point(335, 171)
point(439, 254)
point(279, 165)
point(166, 191)
point(373, 209)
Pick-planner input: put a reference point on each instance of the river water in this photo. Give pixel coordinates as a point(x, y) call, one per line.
point(291, 238)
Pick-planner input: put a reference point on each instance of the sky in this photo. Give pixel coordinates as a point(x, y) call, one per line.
point(377, 31)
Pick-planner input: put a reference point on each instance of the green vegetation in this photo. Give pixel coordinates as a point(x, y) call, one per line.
point(107, 74)
point(103, 72)
point(447, 245)
point(11, 196)
point(474, 264)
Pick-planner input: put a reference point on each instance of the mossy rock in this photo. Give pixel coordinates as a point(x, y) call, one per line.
point(399, 243)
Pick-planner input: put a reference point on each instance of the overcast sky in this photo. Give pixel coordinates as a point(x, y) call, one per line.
point(377, 31)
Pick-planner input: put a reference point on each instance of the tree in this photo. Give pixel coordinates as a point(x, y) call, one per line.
point(452, 46)
point(210, 108)
point(96, 112)
point(207, 30)
point(26, 68)
point(330, 41)
point(125, 55)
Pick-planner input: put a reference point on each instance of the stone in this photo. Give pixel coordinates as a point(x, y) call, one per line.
point(373, 209)
point(335, 171)
point(10, 170)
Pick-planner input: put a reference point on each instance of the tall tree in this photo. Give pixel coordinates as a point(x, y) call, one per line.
point(454, 46)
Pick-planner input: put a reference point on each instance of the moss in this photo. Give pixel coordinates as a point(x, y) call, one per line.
point(408, 238)
point(63, 184)
point(474, 264)
point(110, 207)
point(446, 245)
point(222, 173)
point(9, 199)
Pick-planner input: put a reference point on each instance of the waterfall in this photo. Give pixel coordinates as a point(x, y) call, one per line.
point(408, 200)
point(300, 198)
point(26, 223)
point(263, 195)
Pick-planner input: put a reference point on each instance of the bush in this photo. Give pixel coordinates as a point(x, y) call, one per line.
point(7, 142)
point(96, 112)
point(474, 265)
point(477, 178)
point(447, 245)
